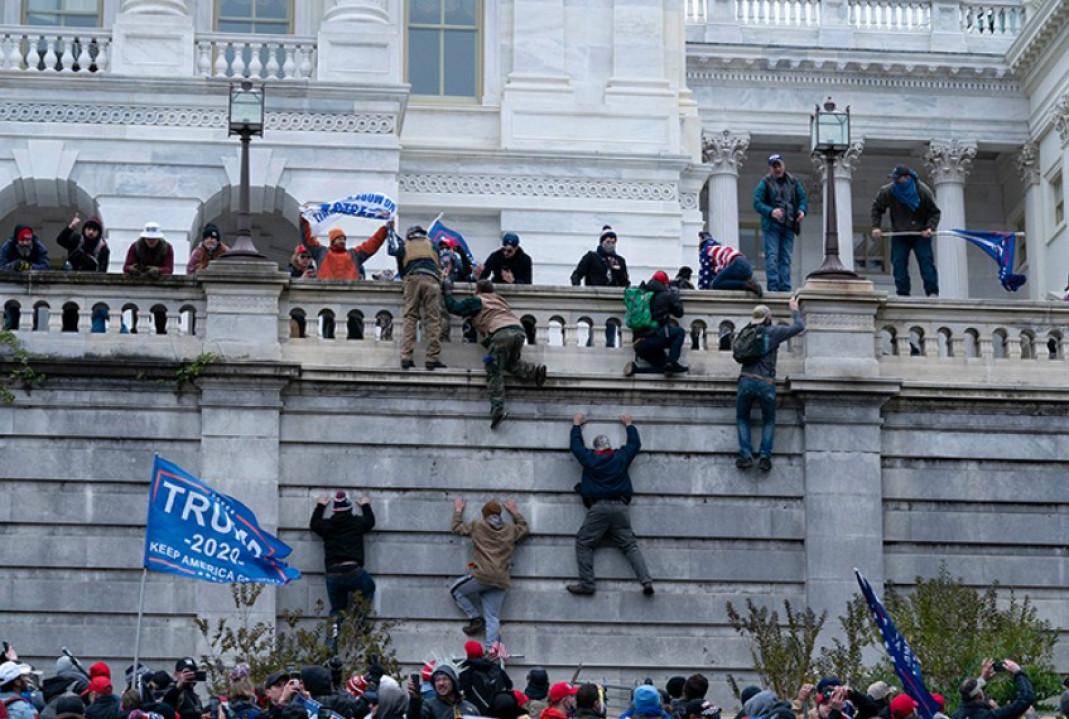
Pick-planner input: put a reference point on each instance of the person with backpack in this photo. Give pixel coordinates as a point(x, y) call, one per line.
point(657, 340)
point(724, 268)
point(782, 203)
point(755, 348)
point(481, 678)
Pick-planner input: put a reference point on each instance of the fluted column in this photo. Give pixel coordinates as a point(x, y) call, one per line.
point(153, 38)
point(948, 163)
point(1027, 162)
point(844, 214)
point(723, 153)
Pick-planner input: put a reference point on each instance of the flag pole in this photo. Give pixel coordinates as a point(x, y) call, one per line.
point(942, 233)
point(137, 635)
point(440, 216)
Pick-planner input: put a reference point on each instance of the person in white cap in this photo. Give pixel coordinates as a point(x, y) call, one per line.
point(14, 680)
point(151, 256)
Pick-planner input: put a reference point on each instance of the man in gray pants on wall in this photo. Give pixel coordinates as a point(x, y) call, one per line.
point(606, 491)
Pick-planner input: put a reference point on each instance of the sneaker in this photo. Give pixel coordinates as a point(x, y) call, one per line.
point(754, 287)
point(744, 462)
point(434, 365)
point(407, 364)
point(647, 588)
point(676, 368)
point(540, 375)
point(765, 464)
point(497, 418)
point(629, 369)
point(474, 626)
point(580, 589)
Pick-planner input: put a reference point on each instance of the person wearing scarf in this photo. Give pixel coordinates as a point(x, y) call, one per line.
point(913, 211)
point(210, 248)
point(602, 267)
point(493, 542)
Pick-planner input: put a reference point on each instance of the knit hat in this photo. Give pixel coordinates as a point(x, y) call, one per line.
point(24, 232)
point(760, 314)
point(674, 687)
point(427, 670)
point(827, 682)
point(902, 706)
point(357, 685)
point(473, 649)
point(415, 231)
point(606, 232)
point(342, 502)
point(521, 698)
point(647, 701)
point(99, 685)
point(100, 669)
point(685, 272)
point(69, 706)
point(660, 276)
point(210, 230)
point(335, 233)
point(491, 508)
point(510, 238)
point(560, 690)
point(537, 683)
point(879, 690)
point(749, 693)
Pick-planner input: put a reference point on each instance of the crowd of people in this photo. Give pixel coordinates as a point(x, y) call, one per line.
point(476, 684)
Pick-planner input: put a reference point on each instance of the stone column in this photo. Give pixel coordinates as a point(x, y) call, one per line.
point(242, 318)
point(638, 39)
point(845, 165)
point(691, 182)
point(360, 42)
point(948, 163)
point(723, 154)
point(153, 38)
point(1027, 162)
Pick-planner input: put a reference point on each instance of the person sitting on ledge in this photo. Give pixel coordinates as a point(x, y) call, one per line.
point(724, 268)
point(23, 251)
point(661, 344)
point(336, 261)
point(151, 257)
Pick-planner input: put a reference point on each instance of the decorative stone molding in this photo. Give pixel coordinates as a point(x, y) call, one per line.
point(1037, 36)
point(688, 200)
point(949, 160)
point(156, 7)
point(357, 11)
point(1027, 162)
point(362, 123)
point(1061, 118)
point(531, 186)
point(845, 164)
point(725, 151)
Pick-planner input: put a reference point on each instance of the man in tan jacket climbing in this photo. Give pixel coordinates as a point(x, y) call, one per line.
point(493, 542)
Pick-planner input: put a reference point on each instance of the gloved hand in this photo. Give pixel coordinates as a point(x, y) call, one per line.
point(153, 273)
point(23, 266)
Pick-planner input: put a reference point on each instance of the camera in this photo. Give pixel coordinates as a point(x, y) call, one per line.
point(201, 676)
point(998, 666)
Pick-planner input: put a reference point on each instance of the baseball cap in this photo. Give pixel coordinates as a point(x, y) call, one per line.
point(99, 685)
point(901, 170)
point(902, 706)
point(560, 690)
point(774, 158)
point(510, 238)
point(10, 671)
point(660, 276)
point(185, 664)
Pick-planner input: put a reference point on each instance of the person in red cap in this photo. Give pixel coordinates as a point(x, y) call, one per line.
point(343, 545)
point(561, 701)
point(100, 669)
point(480, 678)
point(23, 252)
point(903, 706)
point(302, 266)
point(101, 703)
point(659, 344)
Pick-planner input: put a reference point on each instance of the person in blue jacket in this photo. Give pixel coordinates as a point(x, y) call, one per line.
point(606, 491)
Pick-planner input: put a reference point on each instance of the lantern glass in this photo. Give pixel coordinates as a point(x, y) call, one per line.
point(246, 109)
point(830, 130)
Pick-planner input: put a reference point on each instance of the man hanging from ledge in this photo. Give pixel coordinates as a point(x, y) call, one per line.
point(503, 335)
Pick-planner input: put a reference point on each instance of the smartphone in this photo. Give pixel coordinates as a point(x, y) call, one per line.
point(999, 666)
point(201, 676)
point(414, 676)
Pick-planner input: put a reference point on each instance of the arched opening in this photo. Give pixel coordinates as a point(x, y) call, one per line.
point(297, 323)
point(47, 207)
point(384, 326)
point(530, 325)
point(999, 344)
point(946, 342)
point(1054, 346)
point(187, 320)
point(556, 332)
point(354, 325)
point(70, 317)
point(916, 342)
point(41, 315)
point(613, 330)
point(888, 341)
point(274, 217)
point(970, 341)
point(12, 315)
point(1028, 345)
point(326, 324)
point(725, 336)
point(583, 329)
point(698, 339)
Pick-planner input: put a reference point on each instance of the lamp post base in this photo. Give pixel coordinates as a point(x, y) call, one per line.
point(833, 269)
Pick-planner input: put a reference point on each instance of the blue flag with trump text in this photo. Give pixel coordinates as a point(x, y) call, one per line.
point(907, 666)
point(1002, 248)
point(194, 531)
point(372, 205)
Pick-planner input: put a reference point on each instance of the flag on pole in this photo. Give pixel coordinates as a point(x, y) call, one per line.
point(1002, 247)
point(907, 667)
point(196, 532)
point(372, 205)
point(438, 232)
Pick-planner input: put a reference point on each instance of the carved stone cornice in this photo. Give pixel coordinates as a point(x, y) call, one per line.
point(845, 164)
point(156, 7)
point(532, 186)
point(724, 151)
point(949, 160)
point(1027, 161)
point(1037, 36)
point(1061, 118)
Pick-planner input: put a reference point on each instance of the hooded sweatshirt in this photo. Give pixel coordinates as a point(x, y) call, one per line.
point(605, 472)
point(343, 534)
point(11, 259)
point(393, 702)
point(492, 548)
point(83, 254)
point(452, 707)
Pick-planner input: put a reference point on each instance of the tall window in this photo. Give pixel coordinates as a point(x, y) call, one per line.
point(65, 13)
point(264, 17)
point(443, 47)
point(1058, 199)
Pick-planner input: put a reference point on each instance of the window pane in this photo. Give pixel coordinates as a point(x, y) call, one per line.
point(272, 9)
point(41, 19)
point(80, 20)
point(459, 12)
point(42, 5)
point(271, 28)
point(460, 62)
point(235, 8)
point(423, 61)
point(425, 11)
point(235, 26)
point(85, 6)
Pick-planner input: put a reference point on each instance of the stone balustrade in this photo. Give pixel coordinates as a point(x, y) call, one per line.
point(228, 56)
point(992, 18)
point(46, 50)
point(799, 13)
point(890, 15)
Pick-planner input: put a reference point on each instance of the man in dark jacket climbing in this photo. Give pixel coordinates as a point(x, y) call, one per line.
point(343, 548)
point(974, 703)
point(602, 267)
point(660, 346)
point(86, 250)
point(606, 491)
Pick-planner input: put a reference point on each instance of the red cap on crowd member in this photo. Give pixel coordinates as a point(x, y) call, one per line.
point(427, 670)
point(560, 690)
point(521, 698)
point(99, 685)
point(940, 701)
point(100, 669)
point(473, 649)
point(24, 232)
point(302, 250)
point(356, 685)
point(902, 706)
point(661, 276)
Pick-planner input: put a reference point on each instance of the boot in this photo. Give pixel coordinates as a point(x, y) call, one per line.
point(474, 626)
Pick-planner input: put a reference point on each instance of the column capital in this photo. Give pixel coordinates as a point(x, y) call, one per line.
point(1027, 162)
point(1061, 118)
point(723, 152)
point(156, 7)
point(366, 11)
point(845, 164)
point(949, 160)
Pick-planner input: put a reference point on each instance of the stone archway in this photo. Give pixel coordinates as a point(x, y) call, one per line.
point(47, 207)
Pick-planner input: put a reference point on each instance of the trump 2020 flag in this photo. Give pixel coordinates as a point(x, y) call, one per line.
point(907, 667)
point(1001, 246)
point(196, 532)
point(438, 232)
point(371, 205)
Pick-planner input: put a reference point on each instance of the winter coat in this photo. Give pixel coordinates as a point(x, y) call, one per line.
point(665, 303)
point(201, 258)
point(17, 707)
point(83, 255)
point(140, 257)
point(981, 710)
point(482, 676)
point(776, 335)
point(764, 201)
point(438, 708)
point(343, 534)
point(105, 707)
point(903, 219)
point(519, 264)
point(605, 473)
point(594, 269)
point(346, 265)
point(11, 260)
point(186, 702)
point(492, 548)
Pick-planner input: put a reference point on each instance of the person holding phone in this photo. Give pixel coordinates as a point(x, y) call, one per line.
point(182, 695)
point(974, 702)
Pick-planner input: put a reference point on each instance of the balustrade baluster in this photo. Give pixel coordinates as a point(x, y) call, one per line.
point(255, 66)
point(304, 67)
point(237, 66)
point(204, 59)
point(50, 58)
point(66, 58)
point(289, 67)
point(15, 58)
point(81, 58)
point(103, 46)
point(222, 64)
point(272, 60)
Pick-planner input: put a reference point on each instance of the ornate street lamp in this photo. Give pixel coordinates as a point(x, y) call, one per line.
point(829, 134)
point(246, 120)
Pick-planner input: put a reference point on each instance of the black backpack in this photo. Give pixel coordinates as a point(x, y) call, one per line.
point(750, 345)
point(483, 687)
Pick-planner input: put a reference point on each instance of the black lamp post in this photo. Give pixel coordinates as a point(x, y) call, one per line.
point(246, 120)
point(829, 133)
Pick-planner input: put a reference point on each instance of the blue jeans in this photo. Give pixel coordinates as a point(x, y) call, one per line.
point(340, 586)
point(765, 394)
point(922, 247)
point(779, 244)
point(734, 276)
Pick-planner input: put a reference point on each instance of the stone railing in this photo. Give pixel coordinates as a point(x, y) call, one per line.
point(890, 15)
point(798, 13)
point(48, 50)
point(992, 18)
point(283, 58)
